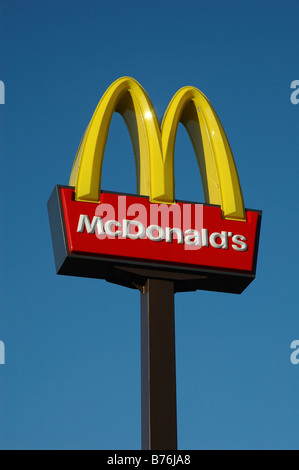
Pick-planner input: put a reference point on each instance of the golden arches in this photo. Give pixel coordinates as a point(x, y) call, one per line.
point(154, 147)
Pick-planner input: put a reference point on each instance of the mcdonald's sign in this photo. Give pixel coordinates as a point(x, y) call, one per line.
point(125, 238)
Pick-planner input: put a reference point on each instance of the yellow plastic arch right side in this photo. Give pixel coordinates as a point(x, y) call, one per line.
point(218, 170)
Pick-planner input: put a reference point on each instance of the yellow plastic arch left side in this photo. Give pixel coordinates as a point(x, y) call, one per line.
point(128, 98)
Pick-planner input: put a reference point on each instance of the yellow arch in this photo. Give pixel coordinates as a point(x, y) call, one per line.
point(217, 166)
point(128, 98)
point(154, 148)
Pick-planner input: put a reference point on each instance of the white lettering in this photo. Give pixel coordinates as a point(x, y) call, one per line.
point(240, 244)
point(108, 228)
point(134, 229)
point(84, 222)
point(223, 236)
point(176, 231)
point(155, 238)
point(127, 224)
point(192, 237)
point(205, 237)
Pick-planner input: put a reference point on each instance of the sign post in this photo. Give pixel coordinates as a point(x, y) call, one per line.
point(151, 241)
point(158, 368)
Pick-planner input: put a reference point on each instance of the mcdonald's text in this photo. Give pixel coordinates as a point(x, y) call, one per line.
point(295, 94)
point(135, 230)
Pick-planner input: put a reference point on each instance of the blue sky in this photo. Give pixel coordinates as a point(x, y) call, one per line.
point(72, 373)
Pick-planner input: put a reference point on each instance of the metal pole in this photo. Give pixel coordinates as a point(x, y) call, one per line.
point(158, 371)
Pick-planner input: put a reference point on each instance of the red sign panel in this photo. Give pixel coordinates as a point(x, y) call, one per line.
point(180, 238)
point(210, 242)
